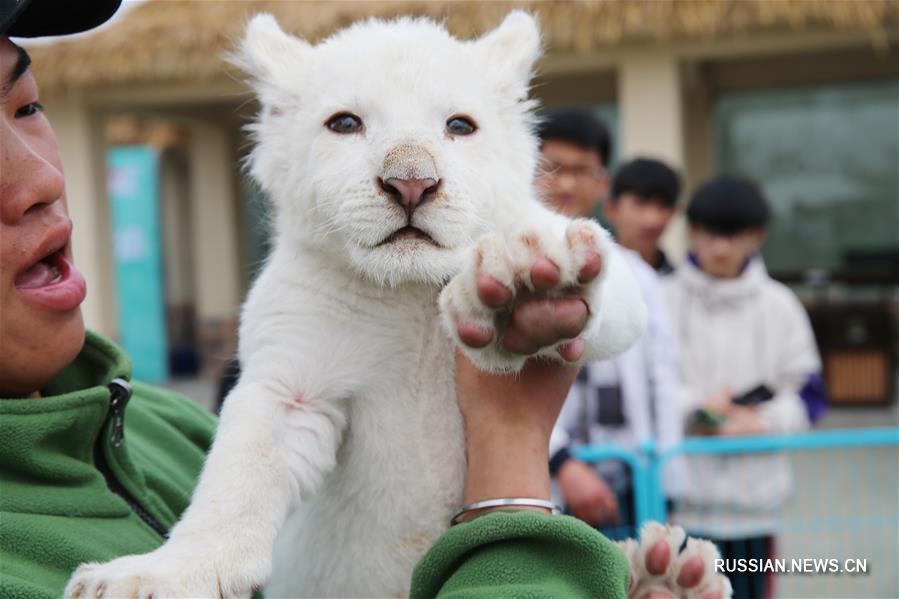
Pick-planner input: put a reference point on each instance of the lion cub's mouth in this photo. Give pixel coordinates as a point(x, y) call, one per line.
point(408, 233)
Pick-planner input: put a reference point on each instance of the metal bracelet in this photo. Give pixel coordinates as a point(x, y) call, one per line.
point(505, 502)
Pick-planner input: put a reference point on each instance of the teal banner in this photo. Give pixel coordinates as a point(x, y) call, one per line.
point(134, 203)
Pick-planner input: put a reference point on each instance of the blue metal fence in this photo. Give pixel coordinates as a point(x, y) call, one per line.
point(858, 512)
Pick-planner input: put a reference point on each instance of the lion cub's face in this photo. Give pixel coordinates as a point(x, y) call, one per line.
point(392, 144)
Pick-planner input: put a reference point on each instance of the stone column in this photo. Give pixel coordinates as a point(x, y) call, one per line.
point(215, 254)
point(81, 143)
point(650, 103)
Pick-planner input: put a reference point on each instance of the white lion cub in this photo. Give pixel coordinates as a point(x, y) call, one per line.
point(399, 161)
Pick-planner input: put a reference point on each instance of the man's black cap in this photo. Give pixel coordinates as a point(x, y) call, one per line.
point(37, 18)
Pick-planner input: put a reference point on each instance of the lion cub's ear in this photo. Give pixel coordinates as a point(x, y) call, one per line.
point(512, 49)
point(268, 54)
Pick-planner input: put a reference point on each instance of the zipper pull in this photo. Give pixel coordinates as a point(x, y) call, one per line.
point(120, 393)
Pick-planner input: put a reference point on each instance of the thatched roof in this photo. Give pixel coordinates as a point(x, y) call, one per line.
point(174, 41)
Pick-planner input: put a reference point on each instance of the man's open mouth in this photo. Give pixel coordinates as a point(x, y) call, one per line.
point(52, 282)
point(47, 271)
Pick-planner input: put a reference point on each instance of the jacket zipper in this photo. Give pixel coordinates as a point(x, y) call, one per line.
point(120, 393)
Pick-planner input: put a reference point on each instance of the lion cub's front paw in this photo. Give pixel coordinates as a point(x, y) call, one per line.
point(162, 574)
point(658, 569)
point(477, 304)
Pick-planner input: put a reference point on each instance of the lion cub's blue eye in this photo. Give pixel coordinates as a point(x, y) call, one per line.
point(344, 122)
point(460, 125)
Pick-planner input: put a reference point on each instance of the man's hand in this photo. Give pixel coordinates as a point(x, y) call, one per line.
point(509, 417)
point(741, 420)
point(719, 403)
point(586, 494)
point(492, 403)
point(535, 395)
point(508, 421)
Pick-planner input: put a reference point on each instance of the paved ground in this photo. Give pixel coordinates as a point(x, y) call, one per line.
point(846, 506)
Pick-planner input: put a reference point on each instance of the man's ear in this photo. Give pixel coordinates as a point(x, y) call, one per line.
point(511, 50)
point(268, 54)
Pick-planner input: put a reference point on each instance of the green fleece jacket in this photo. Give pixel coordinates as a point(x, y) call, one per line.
point(71, 493)
point(74, 489)
point(521, 554)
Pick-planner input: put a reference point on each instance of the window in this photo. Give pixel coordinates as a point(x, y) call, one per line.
point(828, 160)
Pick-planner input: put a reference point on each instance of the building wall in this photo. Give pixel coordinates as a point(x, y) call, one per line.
point(666, 93)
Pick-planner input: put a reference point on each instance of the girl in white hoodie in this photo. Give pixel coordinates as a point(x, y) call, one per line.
point(738, 331)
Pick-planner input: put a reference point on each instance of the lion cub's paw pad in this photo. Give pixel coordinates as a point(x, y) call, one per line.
point(477, 302)
point(659, 569)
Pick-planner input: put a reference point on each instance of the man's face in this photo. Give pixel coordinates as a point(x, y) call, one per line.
point(723, 256)
point(639, 222)
point(41, 329)
point(574, 178)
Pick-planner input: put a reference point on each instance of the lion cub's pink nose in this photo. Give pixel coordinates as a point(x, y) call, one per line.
point(409, 193)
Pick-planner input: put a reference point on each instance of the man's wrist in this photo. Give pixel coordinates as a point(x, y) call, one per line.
point(503, 467)
point(473, 510)
point(468, 516)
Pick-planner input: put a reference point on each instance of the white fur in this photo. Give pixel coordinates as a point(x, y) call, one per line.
point(345, 414)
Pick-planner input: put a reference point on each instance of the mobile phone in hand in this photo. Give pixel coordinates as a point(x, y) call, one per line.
point(754, 396)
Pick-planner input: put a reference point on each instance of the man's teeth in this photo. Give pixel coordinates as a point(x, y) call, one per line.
point(46, 272)
point(55, 274)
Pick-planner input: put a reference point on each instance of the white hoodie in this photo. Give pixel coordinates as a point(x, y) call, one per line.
point(737, 334)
